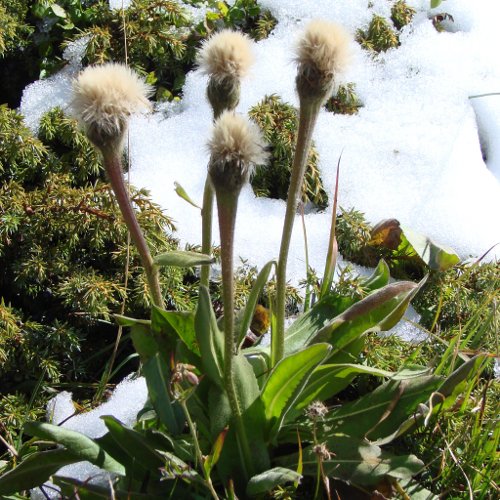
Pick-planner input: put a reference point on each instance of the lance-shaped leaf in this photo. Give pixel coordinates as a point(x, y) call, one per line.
point(435, 3)
point(157, 374)
point(305, 328)
point(260, 362)
point(80, 445)
point(232, 463)
point(437, 257)
point(380, 413)
point(183, 194)
point(329, 379)
point(144, 341)
point(444, 397)
point(175, 324)
point(214, 456)
point(126, 321)
point(333, 249)
point(300, 333)
point(267, 481)
point(257, 288)
point(380, 311)
point(183, 258)
point(210, 338)
point(134, 444)
point(378, 279)
point(35, 470)
point(247, 392)
point(411, 246)
point(357, 461)
point(287, 380)
point(71, 487)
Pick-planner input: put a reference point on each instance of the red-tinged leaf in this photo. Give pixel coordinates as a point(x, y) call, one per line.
point(213, 458)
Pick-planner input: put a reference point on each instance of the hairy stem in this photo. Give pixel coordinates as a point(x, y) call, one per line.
point(307, 120)
point(114, 171)
point(206, 218)
point(206, 229)
point(227, 203)
point(199, 455)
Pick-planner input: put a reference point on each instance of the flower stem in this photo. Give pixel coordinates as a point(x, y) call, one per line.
point(227, 204)
point(197, 448)
point(206, 229)
point(206, 218)
point(307, 119)
point(114, 171)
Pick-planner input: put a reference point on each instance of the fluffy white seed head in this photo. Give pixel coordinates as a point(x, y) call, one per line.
point(322, 53)
point(103, 99)
point(226, 55)
point(236, 147)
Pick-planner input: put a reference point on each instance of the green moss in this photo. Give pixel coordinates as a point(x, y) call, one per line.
point(15, 410)
point(278, 122)
point(162, 38)
point(264, 24)
point(466, 294)
point(401, 14)
point(244, 280)
point(345, 101)
point(244, 15)
point(22, 156)
point(157, 37)
point(160, 41)
point(14, 30)
point(73, 154)
point(63, 249)
point(353, 235)
point(378, 37)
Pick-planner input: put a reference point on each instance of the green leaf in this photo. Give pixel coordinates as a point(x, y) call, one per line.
point(435, 3)
point(379, 311)
point(126, 321)
point(357, 461)
point(416, 491)
point(379, 278)
point(157, 376)
point(183, 258)
point(287, 380)
point(132, 468)
point(307, 325)
point(183, 194)
point(260, 362)
point(453, 383)
point(437, 257)
point(144, 341)
point(223, 8)
point(210, 338)
point(257, 288)
point(175, 324)
point(58, 11)
point(135, 445)
point(81, 446)
point(35, 470)
point(74, 488)
point(442, 398)
point(267, 481)
point(232, 462)
point(214, 456)
point(328, 380)
point(381, 412)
